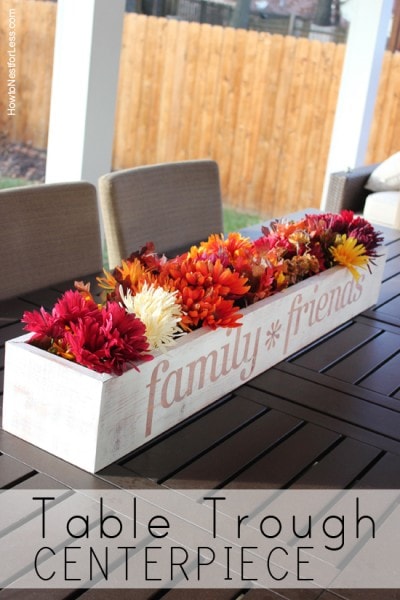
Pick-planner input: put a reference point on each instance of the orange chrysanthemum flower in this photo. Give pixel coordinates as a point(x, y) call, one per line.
point(108, 282)
point(233, 245)
point(131, 273)
point(228, 250)
point(202, 285)
point(206, 274)
point(285, 230)
point(223, 314)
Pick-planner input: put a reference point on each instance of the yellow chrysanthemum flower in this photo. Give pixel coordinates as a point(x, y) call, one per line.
point(158, 310)
point(348, 253)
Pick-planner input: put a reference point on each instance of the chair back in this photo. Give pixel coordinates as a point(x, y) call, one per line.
point(174, 205)
point(50, 233)
point(346, 189)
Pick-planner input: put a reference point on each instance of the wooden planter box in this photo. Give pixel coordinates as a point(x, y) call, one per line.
point(91, 419)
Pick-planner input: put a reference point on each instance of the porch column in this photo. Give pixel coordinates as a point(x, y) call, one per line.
point(84, 88)
point(366, 45)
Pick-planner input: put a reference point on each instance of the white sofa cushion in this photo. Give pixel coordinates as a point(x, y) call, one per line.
point(386, 176)
point(383, 208)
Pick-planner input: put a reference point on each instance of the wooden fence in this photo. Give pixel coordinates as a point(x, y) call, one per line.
point(35, 28)
point(262, 105)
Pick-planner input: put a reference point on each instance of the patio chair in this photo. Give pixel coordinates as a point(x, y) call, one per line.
point(174, 205)
point(49, 234)
point(346, 189)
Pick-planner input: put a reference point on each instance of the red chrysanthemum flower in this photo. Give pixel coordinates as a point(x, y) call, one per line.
point(111, 343)
point(43, 325)
point(46, 327)
point(73, 306)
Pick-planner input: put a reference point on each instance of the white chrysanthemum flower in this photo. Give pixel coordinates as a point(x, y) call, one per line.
point(158, 310)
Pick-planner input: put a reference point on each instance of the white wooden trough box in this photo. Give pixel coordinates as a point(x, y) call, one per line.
point(91, 419)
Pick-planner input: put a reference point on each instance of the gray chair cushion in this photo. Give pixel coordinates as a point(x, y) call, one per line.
point(49, 233)
point(174, 205)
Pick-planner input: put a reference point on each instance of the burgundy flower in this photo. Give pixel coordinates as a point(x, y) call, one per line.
point(365, 234)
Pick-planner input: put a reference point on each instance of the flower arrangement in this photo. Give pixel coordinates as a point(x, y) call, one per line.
point(150, 300)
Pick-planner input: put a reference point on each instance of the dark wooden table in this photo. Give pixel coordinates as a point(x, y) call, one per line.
point(327, 417)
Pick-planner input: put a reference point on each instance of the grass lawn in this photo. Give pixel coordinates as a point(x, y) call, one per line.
point(7, 182)
point(234, 220)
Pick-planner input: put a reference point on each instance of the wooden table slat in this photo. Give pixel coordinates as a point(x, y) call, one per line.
point(337, 424)
point(362, 594)
point(385, 474)
point(367, 395)
point(12, 471)
point(12, 309)
point(48, 464)
point(327, 350)
point(335, 470)
point(36, 594)
point(202, 594)
point(366, 359)
point(283, 594)
point(386, 380)
point(390, 311)
point(179, 448)
point(121, 594)
point(233, 454)
point(392, 249)
point(389, 289)
point(391, 269)
point(46, 298)
point(117, 475)
point(319, 397)
point(287, 461)
point(10, 331)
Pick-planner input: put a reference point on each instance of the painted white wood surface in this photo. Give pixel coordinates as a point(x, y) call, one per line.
point(91, 419)
point(84, 89)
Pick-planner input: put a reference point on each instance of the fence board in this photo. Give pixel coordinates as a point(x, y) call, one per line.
point(226, 107)
point(271, 157)
point(199, 91)
point(302, 184)
point(189, 76)
point(254, 166)
point(287, 185)
point(262, 105)
point(35, 29)
point(161, 116)
point(245, 91)
point(130, 86)
point(262, 163)
point(177, 73)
